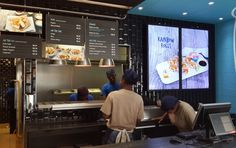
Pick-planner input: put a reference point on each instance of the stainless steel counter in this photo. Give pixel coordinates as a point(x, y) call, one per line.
point(149, 111)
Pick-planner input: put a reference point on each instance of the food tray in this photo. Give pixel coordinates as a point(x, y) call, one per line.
point(75, 53)
point(30, 28)
point(168, 76)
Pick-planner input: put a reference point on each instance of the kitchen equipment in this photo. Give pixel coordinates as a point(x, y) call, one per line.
point(30, 102)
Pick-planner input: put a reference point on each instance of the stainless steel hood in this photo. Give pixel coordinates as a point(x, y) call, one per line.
point(70, 105)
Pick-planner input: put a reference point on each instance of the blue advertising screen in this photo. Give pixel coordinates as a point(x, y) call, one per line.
point(163, 60)
point(195, 66)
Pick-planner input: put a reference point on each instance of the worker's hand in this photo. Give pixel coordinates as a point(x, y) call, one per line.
point(159, 119)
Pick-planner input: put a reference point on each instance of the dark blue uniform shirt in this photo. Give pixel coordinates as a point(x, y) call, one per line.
point(74, 97)
point(108, 87)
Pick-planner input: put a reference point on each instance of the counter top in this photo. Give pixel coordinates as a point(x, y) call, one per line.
point(37, 126)
point(59, 122)
point(61, 126)
point(149, 111)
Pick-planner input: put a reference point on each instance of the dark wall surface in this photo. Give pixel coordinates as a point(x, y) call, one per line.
point(7, 73)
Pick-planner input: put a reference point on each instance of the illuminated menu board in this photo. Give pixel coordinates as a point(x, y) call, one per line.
point(65, 30)
point(101, 39)
point(12, 46)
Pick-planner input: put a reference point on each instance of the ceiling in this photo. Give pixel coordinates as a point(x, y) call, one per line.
point(87, 3)
point(109, 8)
point(198, 10)
point(119, 2)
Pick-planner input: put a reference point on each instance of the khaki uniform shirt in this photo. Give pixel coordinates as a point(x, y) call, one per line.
point(184, 117)
point(124, 107)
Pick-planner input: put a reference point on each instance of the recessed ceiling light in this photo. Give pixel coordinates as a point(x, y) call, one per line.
point(140, 8)
point(184, 13)
point(221, 18)
point(211, 3)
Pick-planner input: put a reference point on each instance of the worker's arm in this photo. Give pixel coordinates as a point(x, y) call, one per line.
point(160, 118)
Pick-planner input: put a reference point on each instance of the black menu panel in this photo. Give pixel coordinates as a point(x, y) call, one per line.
point(101, 39)
point(12, 46)
point(65, 30)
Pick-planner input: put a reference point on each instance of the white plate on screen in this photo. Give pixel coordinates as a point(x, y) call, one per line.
point(168, 76)
point(30, 28)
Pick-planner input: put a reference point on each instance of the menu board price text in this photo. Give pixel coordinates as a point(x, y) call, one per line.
point(12, 46)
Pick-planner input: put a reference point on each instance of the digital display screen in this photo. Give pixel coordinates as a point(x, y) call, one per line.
point(21, 21)
point(195, 66)
point(222, 124)
point(163, 60)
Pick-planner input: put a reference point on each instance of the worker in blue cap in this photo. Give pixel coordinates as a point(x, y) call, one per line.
point(112, 85)
point(180, 113)
point(124, 109)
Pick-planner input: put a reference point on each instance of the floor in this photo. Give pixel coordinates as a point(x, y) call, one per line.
point(9, 140)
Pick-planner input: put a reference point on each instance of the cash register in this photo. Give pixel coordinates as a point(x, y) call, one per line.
point(215, 119)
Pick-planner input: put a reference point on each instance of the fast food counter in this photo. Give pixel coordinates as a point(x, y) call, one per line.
point(53, 135)
point(57, 124)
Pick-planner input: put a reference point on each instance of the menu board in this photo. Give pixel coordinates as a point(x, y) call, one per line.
point(20, 21)
point(65, 30)
point(101, 39)
point(12, 46)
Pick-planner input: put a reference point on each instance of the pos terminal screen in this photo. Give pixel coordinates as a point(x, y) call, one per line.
point(222, 124)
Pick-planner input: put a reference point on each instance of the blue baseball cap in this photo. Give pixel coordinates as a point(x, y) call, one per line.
point(130, 77)
point(111, 73)
point(168, 102)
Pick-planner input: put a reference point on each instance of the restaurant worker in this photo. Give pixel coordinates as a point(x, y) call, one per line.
point(82, 95)
point(11, 106)
point(112, 85)
point(180, 113)
point(123, 109)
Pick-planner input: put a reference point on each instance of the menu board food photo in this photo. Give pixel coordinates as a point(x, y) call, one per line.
point(20, 21)
point(64, 52)
point(195, 64)
point(163, 60)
